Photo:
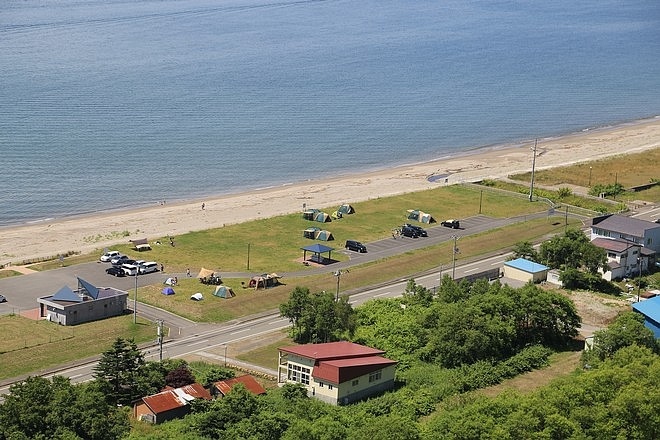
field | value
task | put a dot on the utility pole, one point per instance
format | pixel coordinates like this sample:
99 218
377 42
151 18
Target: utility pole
453 257
159 332
338 274
481 196
135 300
531 186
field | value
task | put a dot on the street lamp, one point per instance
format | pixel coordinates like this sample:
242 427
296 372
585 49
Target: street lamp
590 170
135 300
225 347
338 274
453 257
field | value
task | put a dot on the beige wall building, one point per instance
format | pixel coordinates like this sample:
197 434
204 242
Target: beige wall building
337 372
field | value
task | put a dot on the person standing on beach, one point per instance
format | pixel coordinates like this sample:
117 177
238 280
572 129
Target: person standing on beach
203 206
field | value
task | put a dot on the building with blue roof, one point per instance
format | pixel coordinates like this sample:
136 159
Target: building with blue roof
525 270
650 308
86 303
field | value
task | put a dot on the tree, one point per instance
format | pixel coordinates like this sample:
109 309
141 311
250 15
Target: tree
525 249
119 370
573 250
41 409
417 294
318 317
180 376
627 329
294 309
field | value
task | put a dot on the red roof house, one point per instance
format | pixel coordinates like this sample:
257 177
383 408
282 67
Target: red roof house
169 404
223 387
337 372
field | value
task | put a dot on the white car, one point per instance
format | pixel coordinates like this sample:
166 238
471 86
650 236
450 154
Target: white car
149 267
109 256
130 269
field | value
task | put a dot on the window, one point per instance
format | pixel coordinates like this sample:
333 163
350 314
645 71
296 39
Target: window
320 384
355 382
329 387
297 373
375 376
611 255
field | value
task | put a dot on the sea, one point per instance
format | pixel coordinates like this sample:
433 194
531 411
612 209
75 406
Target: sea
116 104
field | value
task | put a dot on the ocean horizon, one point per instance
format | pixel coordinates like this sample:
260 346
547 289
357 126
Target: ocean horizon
108 105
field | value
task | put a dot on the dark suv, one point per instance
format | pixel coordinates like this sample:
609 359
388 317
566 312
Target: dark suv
455 224
407 231
356 246
421 232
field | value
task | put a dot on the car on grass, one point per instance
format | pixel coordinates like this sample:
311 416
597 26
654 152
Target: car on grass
421 232
451 223
354 245
117 271
109 256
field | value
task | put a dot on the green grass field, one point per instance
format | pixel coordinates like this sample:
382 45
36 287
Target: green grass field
31 346
629 170
274 244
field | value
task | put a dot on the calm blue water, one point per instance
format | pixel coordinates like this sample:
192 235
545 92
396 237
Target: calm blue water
115 103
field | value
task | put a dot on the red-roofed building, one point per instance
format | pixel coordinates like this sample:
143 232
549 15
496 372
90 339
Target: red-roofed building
169 404
223 387
337 372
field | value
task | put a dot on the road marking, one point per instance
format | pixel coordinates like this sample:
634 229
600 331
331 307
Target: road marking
241 331
199 342
470 270
382 294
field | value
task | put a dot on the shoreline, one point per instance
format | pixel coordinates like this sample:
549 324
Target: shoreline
91 231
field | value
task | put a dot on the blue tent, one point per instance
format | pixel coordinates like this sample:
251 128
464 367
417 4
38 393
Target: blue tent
168 291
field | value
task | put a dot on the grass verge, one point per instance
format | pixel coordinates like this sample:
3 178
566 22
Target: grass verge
33 346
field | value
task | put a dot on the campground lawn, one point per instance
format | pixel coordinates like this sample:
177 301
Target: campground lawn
249 301
273 245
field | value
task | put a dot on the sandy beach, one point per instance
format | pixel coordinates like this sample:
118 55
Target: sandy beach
87 233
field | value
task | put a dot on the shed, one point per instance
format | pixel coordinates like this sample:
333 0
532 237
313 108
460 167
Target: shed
525 270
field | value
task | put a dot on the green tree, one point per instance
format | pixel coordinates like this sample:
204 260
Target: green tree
41 409
295 308
573 250
119 370
525 249
627 329
417 294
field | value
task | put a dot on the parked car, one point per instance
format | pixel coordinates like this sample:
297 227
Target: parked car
119 260
420 231
148 267
130 269
3 299
117 271
407 231
451 224
354 245
109 256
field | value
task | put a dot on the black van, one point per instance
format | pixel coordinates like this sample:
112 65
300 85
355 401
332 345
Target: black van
356 246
